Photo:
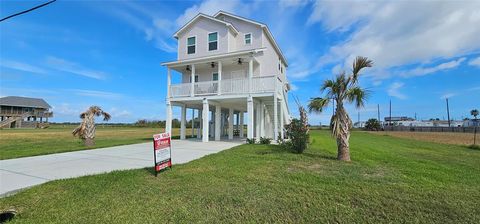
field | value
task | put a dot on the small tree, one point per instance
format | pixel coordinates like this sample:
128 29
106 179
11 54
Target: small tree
86 129
372 125
298 131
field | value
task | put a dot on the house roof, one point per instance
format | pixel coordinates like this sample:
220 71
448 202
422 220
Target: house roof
264 27
19 101
201 15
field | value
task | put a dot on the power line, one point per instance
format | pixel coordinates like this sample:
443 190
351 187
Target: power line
28 10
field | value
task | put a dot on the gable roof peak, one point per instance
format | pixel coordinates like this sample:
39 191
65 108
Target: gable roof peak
201 15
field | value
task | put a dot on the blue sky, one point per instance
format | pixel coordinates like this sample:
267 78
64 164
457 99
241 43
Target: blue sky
108 53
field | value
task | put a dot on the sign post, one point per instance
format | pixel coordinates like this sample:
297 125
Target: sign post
162 152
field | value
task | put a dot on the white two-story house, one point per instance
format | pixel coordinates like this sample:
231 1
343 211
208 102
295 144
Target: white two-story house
232 71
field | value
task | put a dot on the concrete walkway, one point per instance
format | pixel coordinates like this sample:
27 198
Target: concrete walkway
16 174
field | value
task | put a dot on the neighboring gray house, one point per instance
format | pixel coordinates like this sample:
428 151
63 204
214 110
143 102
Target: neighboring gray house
18 112
229 67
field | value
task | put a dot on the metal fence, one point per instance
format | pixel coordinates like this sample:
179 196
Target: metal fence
431 129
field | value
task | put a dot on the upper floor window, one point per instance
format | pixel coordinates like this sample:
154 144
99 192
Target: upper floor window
196 78
248 38
213 41
215 76
191 45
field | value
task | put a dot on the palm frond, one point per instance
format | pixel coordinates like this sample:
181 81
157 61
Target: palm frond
317 104
357 95
106 116
359 64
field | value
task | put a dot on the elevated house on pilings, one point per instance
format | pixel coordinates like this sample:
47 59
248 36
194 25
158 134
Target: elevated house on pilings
23 112
231 71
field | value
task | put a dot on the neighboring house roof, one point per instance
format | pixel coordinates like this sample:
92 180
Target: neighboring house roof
19 101
264 27
201 15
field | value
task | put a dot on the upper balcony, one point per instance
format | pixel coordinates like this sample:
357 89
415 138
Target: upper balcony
261 84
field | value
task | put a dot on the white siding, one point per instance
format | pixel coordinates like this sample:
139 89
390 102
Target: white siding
201 28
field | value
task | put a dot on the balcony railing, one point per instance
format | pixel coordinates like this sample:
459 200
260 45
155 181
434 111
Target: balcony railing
261 84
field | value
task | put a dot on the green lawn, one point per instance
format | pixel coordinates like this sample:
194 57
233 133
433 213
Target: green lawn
15 143
390 180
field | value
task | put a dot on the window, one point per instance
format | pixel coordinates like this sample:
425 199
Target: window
191 45
213 41
196 78
248 38
215 76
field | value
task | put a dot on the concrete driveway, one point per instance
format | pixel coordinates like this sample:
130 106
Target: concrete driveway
16 174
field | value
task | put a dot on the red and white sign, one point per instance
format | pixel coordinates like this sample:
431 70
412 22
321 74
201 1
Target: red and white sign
162 151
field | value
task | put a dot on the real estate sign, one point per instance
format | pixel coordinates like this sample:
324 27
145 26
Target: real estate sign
162 149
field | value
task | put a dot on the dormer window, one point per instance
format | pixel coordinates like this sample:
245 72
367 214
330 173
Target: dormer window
248 39
213 41
191 45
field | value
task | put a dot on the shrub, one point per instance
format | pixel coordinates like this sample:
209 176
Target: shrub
265 141
297 132
250 140
373 125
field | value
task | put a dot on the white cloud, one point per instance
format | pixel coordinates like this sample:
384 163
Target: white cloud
71 67
293 87
22 66
420 71
292 3
448 95
475 62
66 109
400 32
211 7
394 90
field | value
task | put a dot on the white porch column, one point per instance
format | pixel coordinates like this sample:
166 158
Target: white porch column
250 117
219 91
218 120
200 121
192 81
241 124
250 74
168 121
169 82
205 123
257 120
193 119
262 120
183 121
275 117
230 124
281 119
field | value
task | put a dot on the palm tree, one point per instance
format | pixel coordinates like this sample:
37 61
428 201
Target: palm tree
474 113
342 89
86 129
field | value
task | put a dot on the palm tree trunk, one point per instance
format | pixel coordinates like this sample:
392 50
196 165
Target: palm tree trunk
90 131
343 136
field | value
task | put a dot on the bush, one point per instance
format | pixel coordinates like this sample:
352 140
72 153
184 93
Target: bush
297 132
265 141
373 125
250 140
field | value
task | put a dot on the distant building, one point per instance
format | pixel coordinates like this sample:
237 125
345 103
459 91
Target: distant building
23 112
393 119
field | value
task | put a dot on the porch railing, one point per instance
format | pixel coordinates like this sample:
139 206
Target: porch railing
260 84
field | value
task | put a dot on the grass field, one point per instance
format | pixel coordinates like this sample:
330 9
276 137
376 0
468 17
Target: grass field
439 137
391 180
15 143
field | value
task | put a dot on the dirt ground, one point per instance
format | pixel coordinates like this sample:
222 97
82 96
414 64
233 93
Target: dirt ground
440 137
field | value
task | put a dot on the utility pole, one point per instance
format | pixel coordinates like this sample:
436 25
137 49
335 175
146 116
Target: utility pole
358 117
448 113
415 115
